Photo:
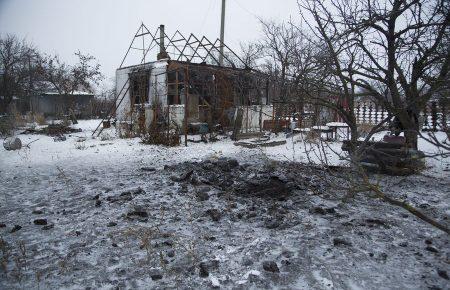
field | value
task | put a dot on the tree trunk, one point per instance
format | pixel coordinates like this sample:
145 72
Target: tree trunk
354 134
411 138
3 106
411 131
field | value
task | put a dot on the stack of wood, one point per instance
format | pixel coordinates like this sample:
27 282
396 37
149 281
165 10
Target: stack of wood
393 158
52 130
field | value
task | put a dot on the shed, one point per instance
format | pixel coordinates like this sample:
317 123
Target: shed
53 104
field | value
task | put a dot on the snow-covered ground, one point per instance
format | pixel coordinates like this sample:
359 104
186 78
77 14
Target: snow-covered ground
119 215
81 149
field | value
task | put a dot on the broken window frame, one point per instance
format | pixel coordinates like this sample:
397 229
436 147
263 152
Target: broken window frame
139 87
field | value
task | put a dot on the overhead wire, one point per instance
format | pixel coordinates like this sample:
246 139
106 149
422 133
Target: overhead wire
206 16
246 10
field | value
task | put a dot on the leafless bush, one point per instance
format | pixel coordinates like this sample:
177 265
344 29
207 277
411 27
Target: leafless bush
19 120
125 129
158 135
312 137
6 126
105 136
80 146
6 255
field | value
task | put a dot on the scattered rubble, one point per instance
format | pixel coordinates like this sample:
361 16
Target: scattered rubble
156 274
222 223
341 242
229 176
111 224
126 195
15 229
138 214
443 274
270 266
59 138
206 267
40 222
258 143
322 211
52 130
48 227
214 214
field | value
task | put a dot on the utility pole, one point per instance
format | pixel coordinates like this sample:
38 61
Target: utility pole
222 33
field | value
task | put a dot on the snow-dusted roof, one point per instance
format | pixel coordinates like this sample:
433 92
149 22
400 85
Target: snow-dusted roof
154 64
77 93
13 97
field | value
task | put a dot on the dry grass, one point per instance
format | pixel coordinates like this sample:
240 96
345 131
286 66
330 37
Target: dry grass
40 119
145 236
105 136
124 130
157 135
6 255
36 117
6 126
80 146
18 256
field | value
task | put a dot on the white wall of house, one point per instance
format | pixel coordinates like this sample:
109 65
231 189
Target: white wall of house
252 116
158 83
122 107
176 114
157 88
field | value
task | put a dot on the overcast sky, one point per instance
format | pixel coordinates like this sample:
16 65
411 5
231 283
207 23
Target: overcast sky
104 28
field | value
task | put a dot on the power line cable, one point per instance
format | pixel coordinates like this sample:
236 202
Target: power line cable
206 16
248 11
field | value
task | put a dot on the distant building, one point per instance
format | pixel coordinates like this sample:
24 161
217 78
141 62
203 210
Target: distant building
54 104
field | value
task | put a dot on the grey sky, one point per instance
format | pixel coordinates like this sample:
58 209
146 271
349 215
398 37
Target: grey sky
104 28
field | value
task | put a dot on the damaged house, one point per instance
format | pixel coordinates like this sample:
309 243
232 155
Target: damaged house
192 86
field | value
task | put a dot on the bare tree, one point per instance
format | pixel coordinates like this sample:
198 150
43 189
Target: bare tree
18 70
393 51
394 44
251 54
279 42
67 79
304 69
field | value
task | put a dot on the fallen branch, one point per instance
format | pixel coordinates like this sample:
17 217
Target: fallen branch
381 195
28 145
